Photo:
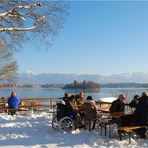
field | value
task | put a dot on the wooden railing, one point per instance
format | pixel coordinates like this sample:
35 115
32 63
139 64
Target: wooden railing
44 104
34 104
39 103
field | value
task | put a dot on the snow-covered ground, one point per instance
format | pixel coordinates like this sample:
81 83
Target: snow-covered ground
34 130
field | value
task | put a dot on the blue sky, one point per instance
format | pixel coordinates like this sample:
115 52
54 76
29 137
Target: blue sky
98 38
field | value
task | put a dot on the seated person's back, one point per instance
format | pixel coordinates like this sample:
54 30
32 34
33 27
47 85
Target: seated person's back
89 107
13 101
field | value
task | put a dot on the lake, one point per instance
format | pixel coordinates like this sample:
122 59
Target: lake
58 92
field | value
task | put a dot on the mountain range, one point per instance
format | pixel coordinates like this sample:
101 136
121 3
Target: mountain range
57 78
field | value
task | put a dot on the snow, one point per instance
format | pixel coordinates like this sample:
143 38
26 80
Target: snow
33 130
107 99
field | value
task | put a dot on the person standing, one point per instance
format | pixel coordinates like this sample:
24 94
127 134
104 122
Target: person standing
13 103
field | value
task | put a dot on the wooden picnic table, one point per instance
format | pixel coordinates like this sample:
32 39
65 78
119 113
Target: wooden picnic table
119 114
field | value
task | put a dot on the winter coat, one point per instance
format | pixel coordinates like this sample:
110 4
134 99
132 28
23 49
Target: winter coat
117 106
13 102
133 103
141 112
89 107
79 102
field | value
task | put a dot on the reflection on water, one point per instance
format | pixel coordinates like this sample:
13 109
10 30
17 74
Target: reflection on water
58 93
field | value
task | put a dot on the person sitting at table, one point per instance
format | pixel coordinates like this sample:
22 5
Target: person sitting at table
134 102
118 105
81 96
79 100
66 97
73 111
140 116
89 108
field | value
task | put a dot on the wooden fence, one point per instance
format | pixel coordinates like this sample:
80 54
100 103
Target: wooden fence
34 104
40 104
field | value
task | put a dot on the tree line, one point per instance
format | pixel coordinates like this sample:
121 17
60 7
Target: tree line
85 85
125 85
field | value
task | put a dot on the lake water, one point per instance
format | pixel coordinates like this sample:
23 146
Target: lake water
58 93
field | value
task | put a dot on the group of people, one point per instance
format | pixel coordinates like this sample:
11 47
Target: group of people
13 103
139 116
75 106
78 108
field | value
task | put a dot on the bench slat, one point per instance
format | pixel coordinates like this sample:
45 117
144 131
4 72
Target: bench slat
129 128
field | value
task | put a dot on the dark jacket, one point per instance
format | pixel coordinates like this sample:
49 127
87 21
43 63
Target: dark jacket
141 112
133 103
117 106
13 102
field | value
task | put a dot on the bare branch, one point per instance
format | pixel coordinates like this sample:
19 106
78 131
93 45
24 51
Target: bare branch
19 7
38 21
27 20
29 6
17 29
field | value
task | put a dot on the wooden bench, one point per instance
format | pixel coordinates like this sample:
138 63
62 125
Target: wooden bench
22 109
128 130
6 109
105 123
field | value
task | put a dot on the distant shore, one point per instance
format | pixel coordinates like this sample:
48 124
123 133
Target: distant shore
105 85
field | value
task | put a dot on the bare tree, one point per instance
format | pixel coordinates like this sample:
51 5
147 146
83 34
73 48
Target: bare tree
29 20
8 66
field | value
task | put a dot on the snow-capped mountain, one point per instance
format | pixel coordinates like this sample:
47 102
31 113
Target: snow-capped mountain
44 78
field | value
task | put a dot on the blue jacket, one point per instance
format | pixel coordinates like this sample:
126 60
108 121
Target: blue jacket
13 102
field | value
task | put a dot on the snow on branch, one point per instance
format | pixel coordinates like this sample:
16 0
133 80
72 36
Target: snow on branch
19 7
38 21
